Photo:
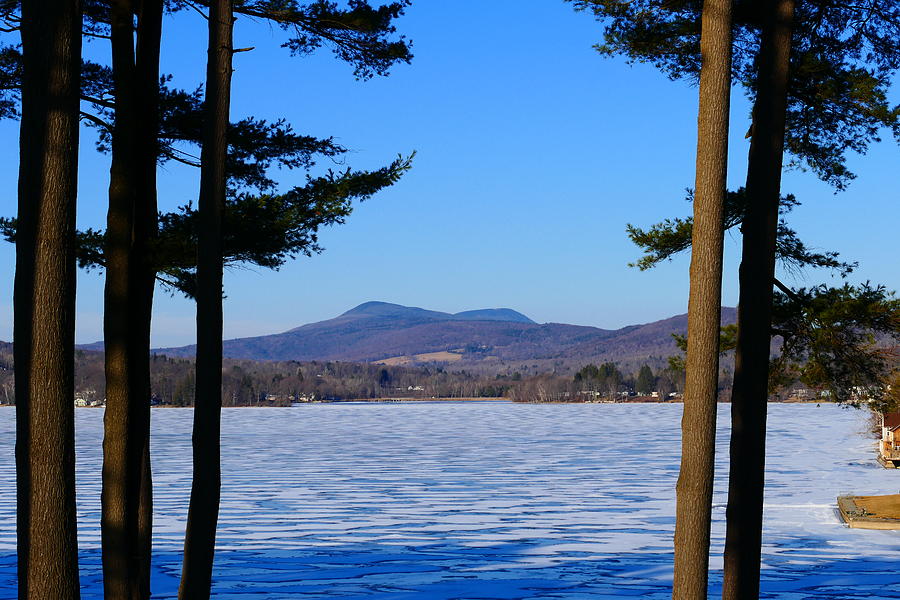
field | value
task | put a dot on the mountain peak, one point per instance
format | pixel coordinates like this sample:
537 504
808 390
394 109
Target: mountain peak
393 311
491 338
372 307
387 310
493 314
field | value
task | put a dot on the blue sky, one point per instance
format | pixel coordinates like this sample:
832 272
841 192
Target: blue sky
533 152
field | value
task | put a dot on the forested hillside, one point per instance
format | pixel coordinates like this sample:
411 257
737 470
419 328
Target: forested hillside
490 341
279 383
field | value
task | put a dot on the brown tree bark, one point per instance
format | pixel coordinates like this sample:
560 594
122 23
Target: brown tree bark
203 514
751 370
126 521
143 280
698 425
120 492
44 301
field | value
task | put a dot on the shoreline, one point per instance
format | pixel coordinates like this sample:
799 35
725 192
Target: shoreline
499 400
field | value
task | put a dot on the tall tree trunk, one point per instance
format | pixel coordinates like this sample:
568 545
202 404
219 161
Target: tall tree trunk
698 425
751 370
44 300
131 225
121 483
143 276
200 537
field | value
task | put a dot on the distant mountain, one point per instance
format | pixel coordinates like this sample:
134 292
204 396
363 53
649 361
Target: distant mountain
487 338
493 314
386 310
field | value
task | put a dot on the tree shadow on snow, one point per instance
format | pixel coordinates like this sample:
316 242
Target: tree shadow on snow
490 571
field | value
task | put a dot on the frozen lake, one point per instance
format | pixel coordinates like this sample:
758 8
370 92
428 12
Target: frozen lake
486 501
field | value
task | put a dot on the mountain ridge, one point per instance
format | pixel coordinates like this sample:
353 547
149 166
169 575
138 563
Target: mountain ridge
491 339
387 309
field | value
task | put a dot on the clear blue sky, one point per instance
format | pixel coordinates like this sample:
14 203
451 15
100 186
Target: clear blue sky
533 154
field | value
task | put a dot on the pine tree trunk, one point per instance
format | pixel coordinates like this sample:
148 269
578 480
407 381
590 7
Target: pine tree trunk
751 370
143 278
44 301
698 424
203 514
126 520
121 483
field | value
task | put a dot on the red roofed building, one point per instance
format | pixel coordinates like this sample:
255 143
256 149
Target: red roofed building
889 447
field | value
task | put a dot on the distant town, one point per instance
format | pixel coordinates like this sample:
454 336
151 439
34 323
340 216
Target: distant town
287 383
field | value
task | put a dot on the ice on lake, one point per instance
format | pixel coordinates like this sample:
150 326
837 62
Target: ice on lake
486 501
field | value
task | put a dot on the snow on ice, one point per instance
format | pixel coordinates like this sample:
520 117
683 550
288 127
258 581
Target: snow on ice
489 501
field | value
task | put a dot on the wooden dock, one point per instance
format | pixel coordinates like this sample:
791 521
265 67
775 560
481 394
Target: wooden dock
870 512
887 464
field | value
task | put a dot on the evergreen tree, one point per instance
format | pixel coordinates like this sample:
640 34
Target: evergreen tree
131 250
645 381
746 475
44 300
837 341
698 424
817 73
203 513
135 30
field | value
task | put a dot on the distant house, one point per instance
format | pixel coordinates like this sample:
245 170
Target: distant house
301 399
801 393
85 398
889 446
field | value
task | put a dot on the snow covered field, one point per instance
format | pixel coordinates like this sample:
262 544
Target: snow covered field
487 501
